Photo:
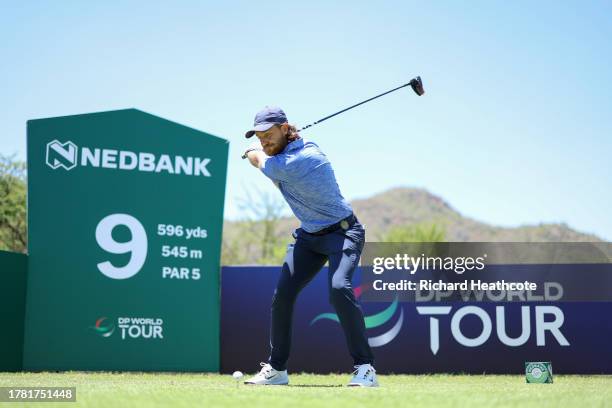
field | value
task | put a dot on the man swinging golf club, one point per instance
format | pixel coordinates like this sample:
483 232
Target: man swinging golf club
329 231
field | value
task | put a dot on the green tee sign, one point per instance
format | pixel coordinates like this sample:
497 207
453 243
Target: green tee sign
125 214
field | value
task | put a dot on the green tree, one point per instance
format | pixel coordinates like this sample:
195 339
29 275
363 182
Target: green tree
13 188
422 232
255 239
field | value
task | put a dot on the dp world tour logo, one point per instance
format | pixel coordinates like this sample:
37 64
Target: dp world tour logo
130 327
373 321
104 327
61 155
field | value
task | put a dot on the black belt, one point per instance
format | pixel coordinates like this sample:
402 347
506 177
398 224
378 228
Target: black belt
345 224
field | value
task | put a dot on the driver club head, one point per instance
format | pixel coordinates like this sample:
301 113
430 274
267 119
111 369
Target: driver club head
417 86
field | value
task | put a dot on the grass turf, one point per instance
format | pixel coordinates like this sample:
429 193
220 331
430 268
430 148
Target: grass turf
307 390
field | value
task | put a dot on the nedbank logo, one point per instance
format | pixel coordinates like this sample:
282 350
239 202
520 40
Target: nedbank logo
61 155
66 155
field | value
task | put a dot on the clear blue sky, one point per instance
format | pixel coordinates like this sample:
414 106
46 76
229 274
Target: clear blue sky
515 128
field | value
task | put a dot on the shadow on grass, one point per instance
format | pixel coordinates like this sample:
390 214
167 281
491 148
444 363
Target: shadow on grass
315 385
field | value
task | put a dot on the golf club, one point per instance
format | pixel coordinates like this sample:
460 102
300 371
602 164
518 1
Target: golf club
416 84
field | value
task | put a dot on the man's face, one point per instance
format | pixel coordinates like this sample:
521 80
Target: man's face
273 140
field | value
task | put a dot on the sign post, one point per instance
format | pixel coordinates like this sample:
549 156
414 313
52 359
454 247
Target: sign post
125 214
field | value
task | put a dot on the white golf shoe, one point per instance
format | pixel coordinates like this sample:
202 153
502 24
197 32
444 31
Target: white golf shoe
269 376
364 376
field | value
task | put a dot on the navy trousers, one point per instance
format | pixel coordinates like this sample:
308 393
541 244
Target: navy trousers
305 258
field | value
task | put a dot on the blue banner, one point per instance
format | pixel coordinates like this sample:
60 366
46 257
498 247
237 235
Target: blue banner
428 337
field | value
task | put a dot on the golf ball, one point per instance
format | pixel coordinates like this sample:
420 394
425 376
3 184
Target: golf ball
237 375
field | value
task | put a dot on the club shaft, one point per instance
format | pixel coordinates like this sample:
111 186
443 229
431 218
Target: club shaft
354 106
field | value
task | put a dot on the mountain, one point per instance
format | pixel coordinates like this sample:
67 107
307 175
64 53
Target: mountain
401 206
405 206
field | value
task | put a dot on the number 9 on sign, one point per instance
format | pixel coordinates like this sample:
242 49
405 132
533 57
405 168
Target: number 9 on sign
136 246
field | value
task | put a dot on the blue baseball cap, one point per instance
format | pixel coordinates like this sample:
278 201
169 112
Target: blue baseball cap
266 118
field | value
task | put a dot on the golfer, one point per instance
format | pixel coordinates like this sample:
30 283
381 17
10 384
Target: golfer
329 232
